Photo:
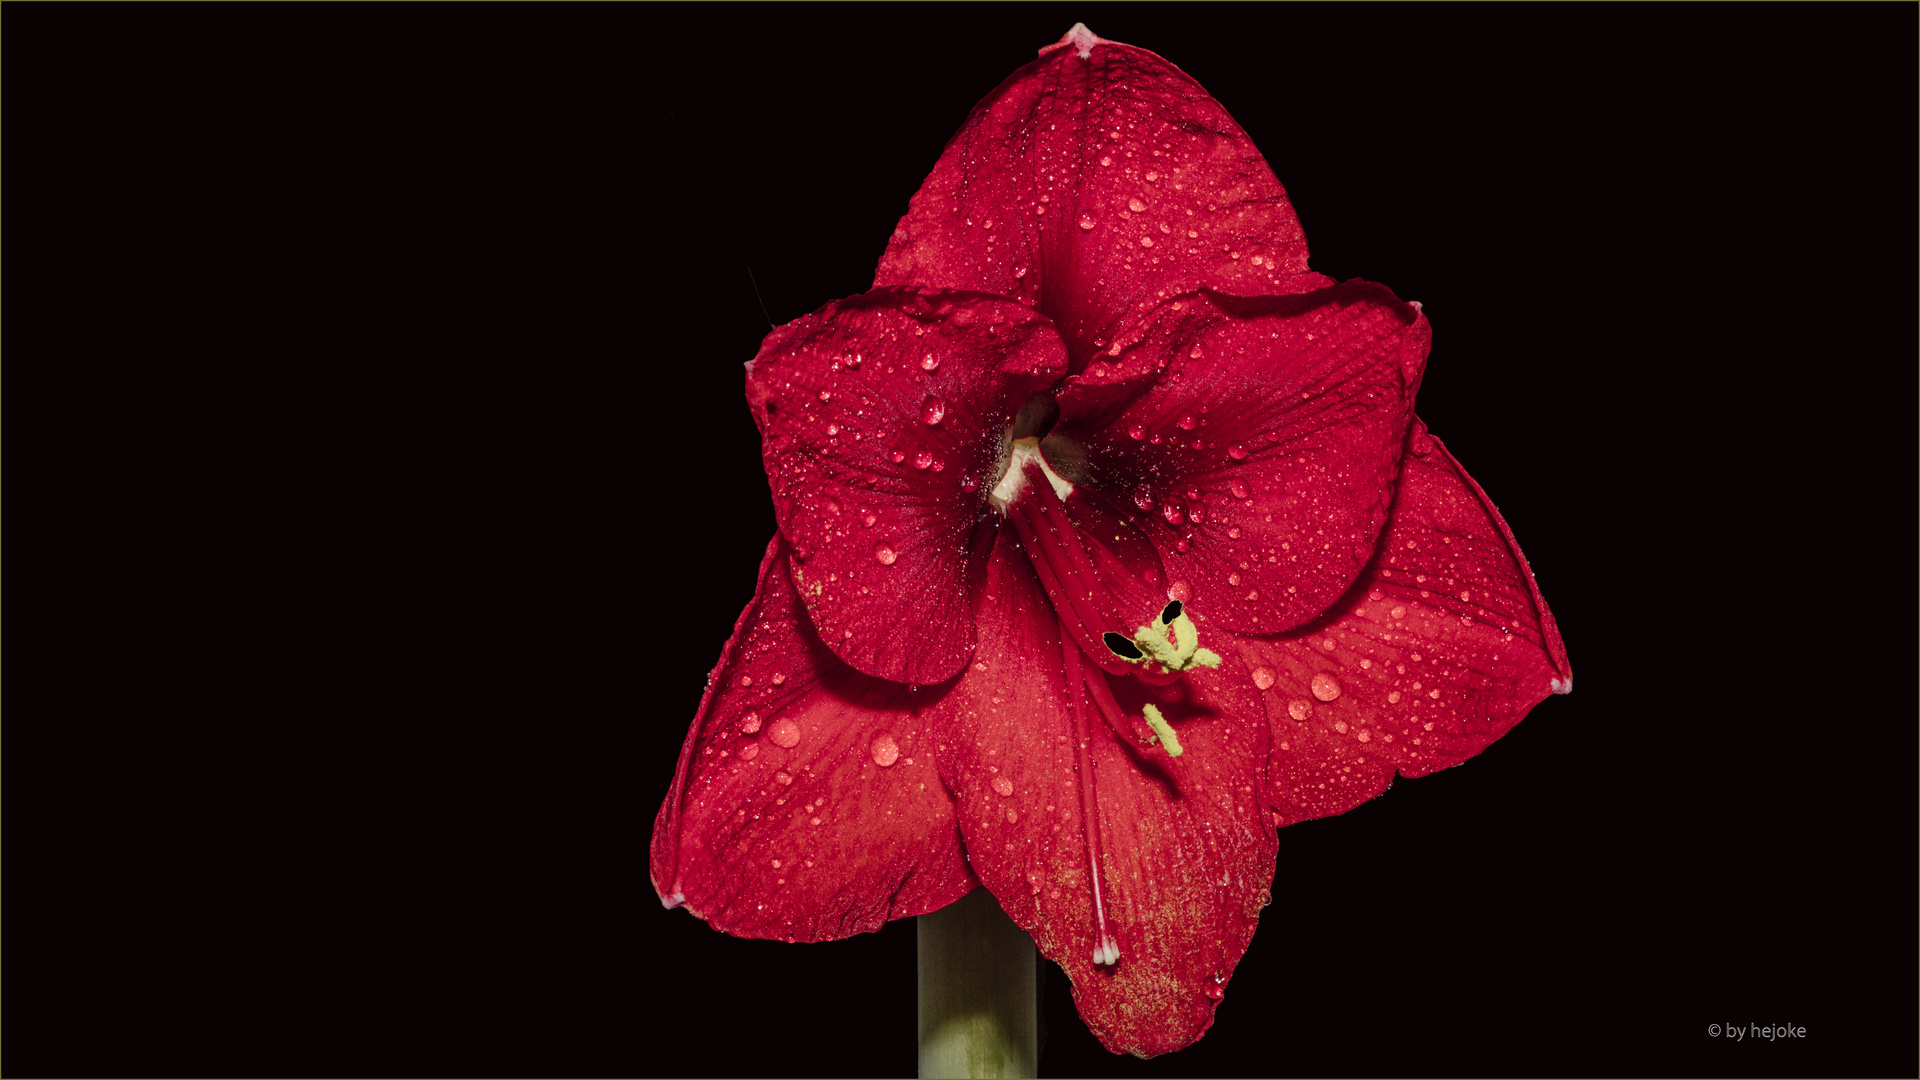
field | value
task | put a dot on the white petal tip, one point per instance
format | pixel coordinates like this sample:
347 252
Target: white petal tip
1080 39
671 902
1562 686
1107 952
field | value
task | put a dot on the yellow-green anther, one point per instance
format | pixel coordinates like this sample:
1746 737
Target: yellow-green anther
1175 645
1163 729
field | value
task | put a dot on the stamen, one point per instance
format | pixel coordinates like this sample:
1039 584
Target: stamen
1105 949
1161 728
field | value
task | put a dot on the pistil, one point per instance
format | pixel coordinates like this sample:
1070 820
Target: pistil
1105 949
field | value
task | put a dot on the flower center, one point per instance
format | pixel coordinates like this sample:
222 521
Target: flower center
1032 497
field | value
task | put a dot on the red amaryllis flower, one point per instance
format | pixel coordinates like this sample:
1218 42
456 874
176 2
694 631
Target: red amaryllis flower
1109 542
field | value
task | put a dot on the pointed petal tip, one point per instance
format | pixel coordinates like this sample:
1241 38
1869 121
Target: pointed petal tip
672 901
1563 686
1080 38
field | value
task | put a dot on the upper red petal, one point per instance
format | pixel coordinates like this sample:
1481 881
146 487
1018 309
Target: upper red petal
1189 854
881 416
1261 435
1094 187
1440 648
805 806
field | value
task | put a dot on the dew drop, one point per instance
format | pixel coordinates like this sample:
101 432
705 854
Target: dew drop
1180 591
832 430
1263 677
868 520
1136 206
968 483
1240 489
929 362
1143 497
1187 422
1086 221
1012 816
1325 687
1393 697
1340 726
896 456
933 410
922 459
751 724
1003 785
884 750
1234 533
1237 452
1171 513
1106 159
1299 708
885 554
1138 431
1198 512
1398 612
784 733
783 778
1152 176
748 751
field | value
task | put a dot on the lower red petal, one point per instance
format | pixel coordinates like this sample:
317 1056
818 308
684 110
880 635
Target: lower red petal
806 806
1441 647
1188 852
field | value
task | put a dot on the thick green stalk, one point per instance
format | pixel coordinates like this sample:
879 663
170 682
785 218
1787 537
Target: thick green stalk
978 1006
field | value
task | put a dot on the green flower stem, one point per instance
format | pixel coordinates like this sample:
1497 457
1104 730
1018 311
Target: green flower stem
978 1006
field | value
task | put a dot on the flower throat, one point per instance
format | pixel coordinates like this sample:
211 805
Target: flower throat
1032 496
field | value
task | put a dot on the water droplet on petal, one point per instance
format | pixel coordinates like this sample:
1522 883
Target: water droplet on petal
1180 591
933 410
968 483
1086 221
1398 612
1393 697
922 459
885 751
784 733
1325 687
1172 513
868 520
1263 677
1003 785
1012 817
896 456
751 724
1187 422
1237 452
885 554
1340 726
929 362
1106 159
1240 489
1136 206
1138 431
748 751
1143 497
1299 708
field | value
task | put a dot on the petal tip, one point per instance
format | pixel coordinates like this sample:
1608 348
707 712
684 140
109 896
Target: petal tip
1080 38
1562 686
672 901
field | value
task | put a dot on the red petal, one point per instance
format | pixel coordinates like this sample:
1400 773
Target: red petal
1442 646
806 805
1186 869
879 544
1094 188
1266 433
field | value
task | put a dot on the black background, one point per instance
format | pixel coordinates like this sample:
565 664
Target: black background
454 498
